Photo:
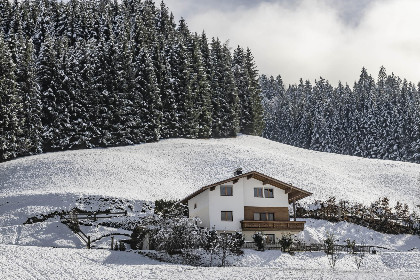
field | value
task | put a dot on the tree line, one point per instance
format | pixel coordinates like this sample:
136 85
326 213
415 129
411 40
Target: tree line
373 119
84 74
379 215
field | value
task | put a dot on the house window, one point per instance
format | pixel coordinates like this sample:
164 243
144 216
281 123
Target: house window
195 205
226 190
258 192
270 238
227 216
263 216
257 217
268 193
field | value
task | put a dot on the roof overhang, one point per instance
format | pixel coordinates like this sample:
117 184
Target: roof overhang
294 193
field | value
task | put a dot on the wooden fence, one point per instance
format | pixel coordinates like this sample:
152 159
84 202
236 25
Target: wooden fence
72 219
317 247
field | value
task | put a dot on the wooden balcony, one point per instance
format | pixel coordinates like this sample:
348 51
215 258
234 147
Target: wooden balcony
273 225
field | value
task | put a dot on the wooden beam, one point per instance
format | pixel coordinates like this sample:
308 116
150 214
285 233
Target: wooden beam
294 210
265 182
288 190
235 181
249 176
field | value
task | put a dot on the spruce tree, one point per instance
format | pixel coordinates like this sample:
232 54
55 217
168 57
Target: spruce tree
28 91
10 105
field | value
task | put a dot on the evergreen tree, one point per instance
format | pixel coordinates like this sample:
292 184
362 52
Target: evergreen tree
146 86
10 105
201 90
28 91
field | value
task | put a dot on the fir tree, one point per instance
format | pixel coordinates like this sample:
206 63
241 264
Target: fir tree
10 105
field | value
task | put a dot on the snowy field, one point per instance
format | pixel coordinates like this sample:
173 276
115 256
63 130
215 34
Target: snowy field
176 167
18 262
126 177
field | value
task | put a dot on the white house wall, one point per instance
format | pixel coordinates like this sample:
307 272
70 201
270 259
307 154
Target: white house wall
280 198
202 210
234 203
210 204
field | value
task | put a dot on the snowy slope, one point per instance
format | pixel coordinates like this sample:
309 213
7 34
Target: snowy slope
174 168
94 179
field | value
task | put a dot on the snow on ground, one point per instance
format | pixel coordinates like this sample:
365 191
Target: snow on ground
317 230
125 177
17 262
174 168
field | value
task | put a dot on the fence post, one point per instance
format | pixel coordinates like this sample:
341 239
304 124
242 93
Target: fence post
88 243
112 242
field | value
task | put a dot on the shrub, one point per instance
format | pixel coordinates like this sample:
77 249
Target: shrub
329 243
285 242
351 245
238 241
122 246
170 208
138 236
259 241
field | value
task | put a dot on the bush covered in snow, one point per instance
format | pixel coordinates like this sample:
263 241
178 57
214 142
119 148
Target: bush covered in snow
170 232
379 216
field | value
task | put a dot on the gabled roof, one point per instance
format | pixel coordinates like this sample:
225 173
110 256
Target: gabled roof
293 192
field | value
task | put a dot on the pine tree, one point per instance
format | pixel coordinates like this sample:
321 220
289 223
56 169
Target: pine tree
47 76
10 105
28 91
256 124
147 88
201 88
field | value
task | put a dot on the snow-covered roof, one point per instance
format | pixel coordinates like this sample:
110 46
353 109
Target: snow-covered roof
294 193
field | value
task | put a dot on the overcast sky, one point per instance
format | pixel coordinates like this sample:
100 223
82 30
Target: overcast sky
312 38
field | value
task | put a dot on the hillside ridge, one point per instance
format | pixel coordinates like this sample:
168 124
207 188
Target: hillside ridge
173 168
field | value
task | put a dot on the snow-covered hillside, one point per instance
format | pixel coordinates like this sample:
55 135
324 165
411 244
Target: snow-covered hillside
126 177
174 168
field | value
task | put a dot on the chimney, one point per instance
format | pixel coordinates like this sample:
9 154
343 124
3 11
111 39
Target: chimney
238 171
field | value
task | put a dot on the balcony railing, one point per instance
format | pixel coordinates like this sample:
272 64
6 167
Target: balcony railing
273 225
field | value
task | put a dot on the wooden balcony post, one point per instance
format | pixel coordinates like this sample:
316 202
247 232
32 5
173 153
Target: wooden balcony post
294 210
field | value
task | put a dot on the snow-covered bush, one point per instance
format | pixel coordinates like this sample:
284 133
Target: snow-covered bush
286 241
329 243
259 241
170 208
175 234
138 236
238 241
379 216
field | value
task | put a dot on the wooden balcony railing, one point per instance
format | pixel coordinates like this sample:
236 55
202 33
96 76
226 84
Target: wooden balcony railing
273 225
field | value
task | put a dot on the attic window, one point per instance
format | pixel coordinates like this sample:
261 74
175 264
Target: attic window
258 192
268 193
226 190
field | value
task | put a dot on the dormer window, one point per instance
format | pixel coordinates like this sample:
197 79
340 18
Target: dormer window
226 190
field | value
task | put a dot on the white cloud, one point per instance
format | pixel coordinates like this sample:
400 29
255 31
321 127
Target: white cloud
310 39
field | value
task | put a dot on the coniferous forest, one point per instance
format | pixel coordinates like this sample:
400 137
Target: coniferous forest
373 119
83 74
